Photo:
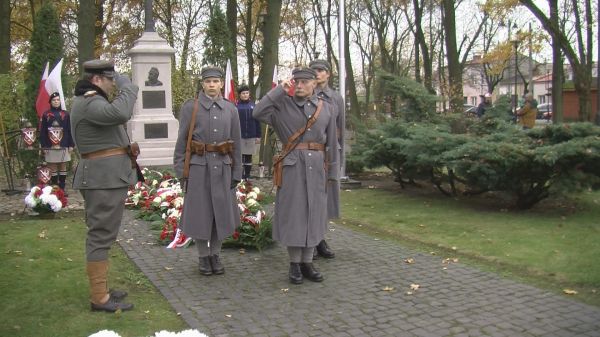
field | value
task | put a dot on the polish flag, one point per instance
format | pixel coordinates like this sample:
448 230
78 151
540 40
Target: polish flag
41 103
229 84
49 84
54 83
275 80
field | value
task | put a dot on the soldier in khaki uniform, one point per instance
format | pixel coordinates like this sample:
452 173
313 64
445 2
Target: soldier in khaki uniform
105 171
210 213
323 70
300 219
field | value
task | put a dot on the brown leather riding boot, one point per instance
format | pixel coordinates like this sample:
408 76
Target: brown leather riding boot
100 297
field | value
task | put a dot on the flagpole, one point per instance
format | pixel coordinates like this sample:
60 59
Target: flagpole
342 66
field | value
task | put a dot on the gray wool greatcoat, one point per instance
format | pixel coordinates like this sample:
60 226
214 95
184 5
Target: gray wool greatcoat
335 99
300 218
209 195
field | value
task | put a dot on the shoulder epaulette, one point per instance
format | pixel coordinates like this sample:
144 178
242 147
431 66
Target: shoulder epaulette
90 93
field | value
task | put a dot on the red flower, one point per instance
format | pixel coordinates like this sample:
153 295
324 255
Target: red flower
236 235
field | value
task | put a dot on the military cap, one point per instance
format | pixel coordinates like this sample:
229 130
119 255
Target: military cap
243 88
54 94
208 72
320 64
304 73
100 67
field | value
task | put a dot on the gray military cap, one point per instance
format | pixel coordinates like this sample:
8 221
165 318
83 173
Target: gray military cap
208 72
100 67
320 64
304 73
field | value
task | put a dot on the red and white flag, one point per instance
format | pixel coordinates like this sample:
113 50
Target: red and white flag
275 80
229 84
49 84
41 103
54 83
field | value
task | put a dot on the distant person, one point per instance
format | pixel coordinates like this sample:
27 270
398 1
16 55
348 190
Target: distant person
528 112
250 129
56 155
485 104
153 78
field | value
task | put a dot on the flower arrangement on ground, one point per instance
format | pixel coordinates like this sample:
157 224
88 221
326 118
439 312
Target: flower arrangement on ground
46 199
160 201
163 333
255 227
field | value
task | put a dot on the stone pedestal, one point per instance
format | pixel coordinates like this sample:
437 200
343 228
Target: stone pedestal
153 124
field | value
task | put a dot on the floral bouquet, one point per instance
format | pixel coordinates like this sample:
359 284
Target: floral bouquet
46 199
255 226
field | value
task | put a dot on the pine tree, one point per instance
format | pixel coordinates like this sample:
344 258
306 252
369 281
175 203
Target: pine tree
217 44
46 46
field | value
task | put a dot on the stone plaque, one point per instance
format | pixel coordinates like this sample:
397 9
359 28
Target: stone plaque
153 99
156 130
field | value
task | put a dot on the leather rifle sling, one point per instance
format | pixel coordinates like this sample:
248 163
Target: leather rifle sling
277 164
188 145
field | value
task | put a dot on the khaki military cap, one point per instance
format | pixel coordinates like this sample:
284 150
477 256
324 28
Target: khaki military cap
100 67
304 73
320 64
208 72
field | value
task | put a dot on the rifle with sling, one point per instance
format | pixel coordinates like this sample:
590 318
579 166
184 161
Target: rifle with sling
188 147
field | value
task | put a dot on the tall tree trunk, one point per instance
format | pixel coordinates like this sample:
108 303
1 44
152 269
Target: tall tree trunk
86 30
231 14
557 69
249 34
350 83
454 68
425 53
5 12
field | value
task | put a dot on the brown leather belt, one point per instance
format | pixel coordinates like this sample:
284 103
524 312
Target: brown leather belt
306 146
105 153
200 148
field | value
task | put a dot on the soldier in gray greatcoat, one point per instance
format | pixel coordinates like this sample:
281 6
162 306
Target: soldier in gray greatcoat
105 171
210 213
300 219
323 70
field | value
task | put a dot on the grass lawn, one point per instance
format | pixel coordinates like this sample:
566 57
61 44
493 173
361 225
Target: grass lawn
45 287
556 245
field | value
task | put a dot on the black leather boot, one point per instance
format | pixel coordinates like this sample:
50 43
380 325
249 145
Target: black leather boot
54 180
118 295
112 305
324 251
204 266
295 273
308 270
217 267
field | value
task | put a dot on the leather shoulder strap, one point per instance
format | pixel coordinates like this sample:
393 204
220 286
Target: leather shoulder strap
188 144
292 139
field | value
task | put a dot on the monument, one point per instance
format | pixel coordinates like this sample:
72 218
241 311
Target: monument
153 125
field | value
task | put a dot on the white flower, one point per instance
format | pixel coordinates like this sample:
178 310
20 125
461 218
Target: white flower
156 201
252 195
154 182
105 333
178 202
30 201
256 190
47 190
251 202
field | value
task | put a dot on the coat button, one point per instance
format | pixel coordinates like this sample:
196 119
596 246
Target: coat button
309 154
215 167
215 130
308 129
309 116
215 117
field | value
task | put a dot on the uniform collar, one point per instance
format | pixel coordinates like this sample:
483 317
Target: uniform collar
327 91
207 102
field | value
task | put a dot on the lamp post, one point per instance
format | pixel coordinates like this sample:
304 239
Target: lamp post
515 43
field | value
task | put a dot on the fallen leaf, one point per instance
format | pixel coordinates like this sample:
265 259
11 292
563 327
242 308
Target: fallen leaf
242 251
371 186
285 290
454 248
168 268
228 316
409 260
409 293
69 259
421 225
387 288
570 291
42 234
146 311
414 286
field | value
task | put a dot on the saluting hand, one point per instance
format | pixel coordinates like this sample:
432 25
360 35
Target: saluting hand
287 84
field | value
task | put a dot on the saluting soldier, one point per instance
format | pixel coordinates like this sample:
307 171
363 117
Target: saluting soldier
323 70
210 213
105 171
306 127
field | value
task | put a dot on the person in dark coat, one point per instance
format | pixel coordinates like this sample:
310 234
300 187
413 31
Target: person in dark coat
323 70
57 151
485 104
300 219
105 170
250 129
210 212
